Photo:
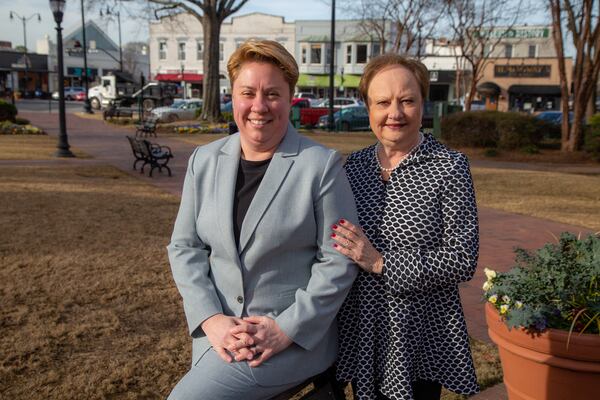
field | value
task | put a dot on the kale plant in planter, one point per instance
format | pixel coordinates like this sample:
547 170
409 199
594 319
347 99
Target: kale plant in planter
555 287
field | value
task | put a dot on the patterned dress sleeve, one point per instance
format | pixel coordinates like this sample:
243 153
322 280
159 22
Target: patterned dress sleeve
454 261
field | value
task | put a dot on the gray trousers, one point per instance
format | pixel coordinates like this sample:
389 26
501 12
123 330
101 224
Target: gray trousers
214 379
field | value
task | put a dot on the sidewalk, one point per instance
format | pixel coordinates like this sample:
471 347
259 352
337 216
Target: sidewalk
500 232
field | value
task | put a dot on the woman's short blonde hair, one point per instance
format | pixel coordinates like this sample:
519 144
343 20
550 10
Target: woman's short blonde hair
387 60
267 51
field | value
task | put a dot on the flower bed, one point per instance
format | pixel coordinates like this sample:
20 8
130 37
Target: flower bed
198 128
11 128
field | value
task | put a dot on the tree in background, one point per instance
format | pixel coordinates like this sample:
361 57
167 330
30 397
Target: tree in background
582 26
475 25
210 14
405 23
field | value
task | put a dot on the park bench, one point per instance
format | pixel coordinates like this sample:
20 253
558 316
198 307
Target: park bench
150 153
324 387
146 127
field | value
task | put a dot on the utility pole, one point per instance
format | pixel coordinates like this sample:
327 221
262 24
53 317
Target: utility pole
87 107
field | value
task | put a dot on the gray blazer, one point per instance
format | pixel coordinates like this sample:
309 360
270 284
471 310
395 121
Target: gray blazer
285 266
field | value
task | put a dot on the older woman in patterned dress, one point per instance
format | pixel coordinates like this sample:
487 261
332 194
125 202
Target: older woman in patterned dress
402 330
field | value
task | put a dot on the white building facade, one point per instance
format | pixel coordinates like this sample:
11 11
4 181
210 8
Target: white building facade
177 45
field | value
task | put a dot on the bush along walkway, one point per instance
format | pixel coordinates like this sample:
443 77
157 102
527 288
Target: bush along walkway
500 232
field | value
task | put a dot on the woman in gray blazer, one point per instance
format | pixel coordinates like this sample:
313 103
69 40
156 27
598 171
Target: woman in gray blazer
250 253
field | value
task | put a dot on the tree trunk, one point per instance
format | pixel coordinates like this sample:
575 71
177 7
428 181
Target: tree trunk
211 106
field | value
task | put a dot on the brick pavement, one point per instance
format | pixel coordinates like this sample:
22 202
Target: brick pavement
500 232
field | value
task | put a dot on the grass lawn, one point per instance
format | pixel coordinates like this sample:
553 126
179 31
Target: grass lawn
89 308
31 147
569 198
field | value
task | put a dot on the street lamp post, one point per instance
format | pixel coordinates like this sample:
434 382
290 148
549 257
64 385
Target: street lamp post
24 21
86 106
58 7
118 14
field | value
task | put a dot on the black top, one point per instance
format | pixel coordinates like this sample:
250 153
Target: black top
250 174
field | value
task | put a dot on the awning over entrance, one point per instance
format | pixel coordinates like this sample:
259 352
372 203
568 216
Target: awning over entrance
322 81
188 77
538 90
488 89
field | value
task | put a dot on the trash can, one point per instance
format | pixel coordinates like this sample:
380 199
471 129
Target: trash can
295 117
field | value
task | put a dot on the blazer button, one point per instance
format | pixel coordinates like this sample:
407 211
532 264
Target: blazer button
240 299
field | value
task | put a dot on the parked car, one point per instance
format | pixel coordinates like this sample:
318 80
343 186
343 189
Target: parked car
300 102
342 102
553 117
227 107
80 96
70 92
179 110
304 95
351 118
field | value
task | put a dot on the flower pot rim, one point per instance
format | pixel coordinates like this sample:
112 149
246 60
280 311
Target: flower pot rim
584 347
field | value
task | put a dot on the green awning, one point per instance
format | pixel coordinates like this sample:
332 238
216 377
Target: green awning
322 81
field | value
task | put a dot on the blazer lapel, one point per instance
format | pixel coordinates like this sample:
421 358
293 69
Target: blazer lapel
280 164
225 178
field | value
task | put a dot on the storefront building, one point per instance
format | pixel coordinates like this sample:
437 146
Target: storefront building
521 73
23 73
177 46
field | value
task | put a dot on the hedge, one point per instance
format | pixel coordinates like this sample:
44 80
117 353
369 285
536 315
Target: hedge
591 140
493 129
8 111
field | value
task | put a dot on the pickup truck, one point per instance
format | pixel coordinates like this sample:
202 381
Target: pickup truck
309 116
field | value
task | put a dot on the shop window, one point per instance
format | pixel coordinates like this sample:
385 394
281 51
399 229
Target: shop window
375 49
221 48
327 54
508 50
199 50
361 53
181 51
315 54
304 55
532 51
349 54
487 49
162 50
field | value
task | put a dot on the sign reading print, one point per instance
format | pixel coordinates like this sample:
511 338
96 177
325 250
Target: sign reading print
522 71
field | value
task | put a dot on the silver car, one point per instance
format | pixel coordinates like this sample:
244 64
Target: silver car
71 92
178 111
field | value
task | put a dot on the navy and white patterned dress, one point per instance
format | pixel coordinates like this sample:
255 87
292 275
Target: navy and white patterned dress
407 323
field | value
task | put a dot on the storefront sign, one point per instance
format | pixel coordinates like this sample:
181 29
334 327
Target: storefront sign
522 71
514 33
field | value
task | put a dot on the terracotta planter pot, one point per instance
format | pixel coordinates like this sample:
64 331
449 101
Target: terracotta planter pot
539 367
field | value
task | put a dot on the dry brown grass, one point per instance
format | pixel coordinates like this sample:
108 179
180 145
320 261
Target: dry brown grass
89 309
345 143
569 198
31 147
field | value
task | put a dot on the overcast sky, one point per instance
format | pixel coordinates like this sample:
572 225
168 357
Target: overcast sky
132 30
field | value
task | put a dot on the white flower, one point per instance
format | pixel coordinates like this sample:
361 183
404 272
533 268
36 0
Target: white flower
487 285
493 299
489 273
506 299
518 304
503 308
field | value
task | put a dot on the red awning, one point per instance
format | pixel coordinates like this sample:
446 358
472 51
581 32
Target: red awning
188 77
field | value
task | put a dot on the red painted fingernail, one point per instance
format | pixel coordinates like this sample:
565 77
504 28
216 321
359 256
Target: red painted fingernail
335 245
342 221
333 235
334 227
